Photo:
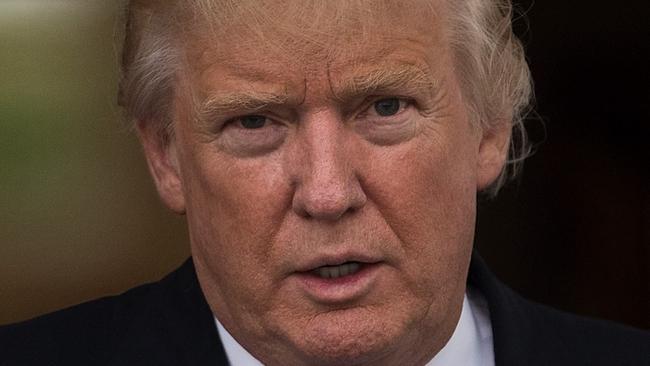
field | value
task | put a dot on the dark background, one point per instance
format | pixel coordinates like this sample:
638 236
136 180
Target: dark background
79 217
574 232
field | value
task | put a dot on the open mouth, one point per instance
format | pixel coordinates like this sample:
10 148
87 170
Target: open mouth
342 270
333 281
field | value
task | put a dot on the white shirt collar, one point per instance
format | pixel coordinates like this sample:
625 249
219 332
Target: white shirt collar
237 355
470 344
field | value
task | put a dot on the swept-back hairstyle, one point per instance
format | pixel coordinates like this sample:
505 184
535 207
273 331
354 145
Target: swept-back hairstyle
489 61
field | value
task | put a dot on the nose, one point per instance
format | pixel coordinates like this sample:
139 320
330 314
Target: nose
327 185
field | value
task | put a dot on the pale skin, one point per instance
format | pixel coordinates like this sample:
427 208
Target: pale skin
367 154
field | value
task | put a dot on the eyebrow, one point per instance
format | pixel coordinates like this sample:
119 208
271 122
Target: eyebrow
396 79
249 101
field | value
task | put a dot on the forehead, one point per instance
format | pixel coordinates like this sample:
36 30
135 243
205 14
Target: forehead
260 40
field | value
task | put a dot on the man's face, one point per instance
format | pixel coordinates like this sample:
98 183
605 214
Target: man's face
329 178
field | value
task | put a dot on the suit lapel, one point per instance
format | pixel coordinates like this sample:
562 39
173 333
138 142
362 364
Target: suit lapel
511 328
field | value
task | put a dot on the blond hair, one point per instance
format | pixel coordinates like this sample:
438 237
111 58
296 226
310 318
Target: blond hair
489 60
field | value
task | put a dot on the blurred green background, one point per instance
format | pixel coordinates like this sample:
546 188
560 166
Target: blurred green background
79 217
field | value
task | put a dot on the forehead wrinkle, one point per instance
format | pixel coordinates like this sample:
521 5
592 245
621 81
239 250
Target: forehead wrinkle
317 26
244 85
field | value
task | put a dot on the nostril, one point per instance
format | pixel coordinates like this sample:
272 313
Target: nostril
324 207
327 205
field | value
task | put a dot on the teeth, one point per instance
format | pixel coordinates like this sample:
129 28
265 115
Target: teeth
338 271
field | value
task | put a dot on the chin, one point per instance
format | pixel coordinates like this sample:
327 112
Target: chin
349 337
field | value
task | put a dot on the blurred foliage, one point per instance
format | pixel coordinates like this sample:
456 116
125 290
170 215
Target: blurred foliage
79 217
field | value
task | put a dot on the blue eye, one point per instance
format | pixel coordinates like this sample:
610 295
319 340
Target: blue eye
387 107
252 122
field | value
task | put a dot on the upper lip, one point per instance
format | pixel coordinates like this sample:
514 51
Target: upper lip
335 259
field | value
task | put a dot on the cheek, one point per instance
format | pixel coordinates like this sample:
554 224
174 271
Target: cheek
432 183
235 208
426 192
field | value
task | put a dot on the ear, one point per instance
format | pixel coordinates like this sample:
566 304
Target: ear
492 155
162 159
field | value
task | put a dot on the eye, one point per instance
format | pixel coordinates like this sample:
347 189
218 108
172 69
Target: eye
387 120
389 106
252 122
387 109
252 135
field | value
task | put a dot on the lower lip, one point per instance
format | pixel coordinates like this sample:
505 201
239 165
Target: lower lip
342 289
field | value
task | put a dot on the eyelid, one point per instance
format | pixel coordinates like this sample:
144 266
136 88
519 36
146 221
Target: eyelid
270 119
369 102
242 116
216 122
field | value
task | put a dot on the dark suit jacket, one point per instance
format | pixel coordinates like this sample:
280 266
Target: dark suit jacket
170 323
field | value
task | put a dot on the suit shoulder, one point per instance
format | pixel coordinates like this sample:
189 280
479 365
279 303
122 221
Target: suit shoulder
528 333
88 333
555 337
589 335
